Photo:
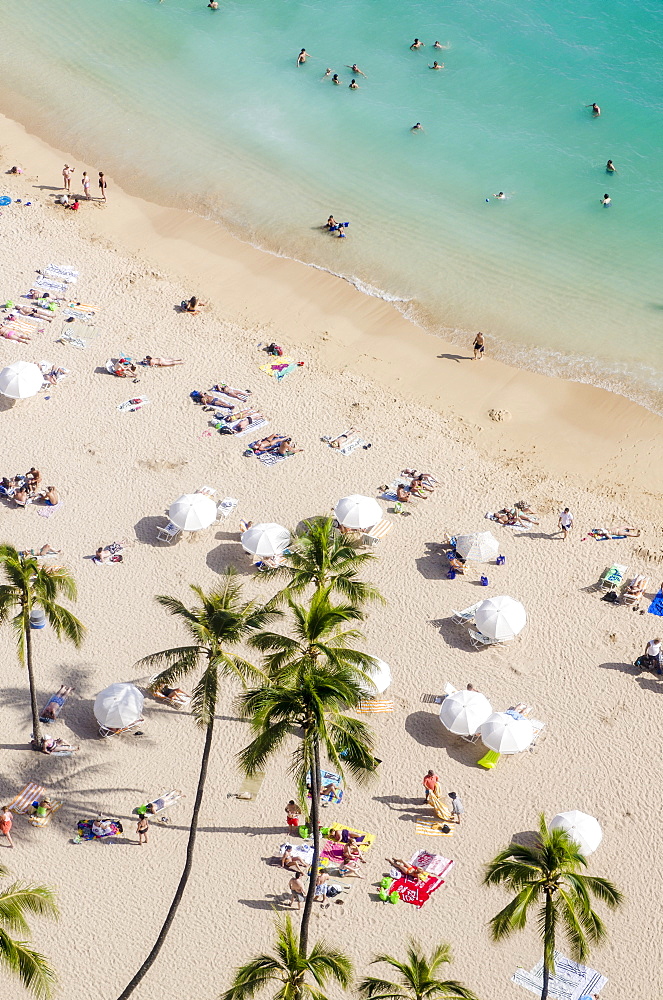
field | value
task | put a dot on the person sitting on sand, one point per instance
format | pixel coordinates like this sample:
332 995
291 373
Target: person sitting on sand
33 477
21 496
193 305
50 496
351 851
417 490
291 863
161 362
350 868
75 205
102 555
402 494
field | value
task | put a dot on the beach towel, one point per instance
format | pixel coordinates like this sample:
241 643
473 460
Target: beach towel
67 272
133 404
79 314
47 510
439 805
414 890
69 337
159 804
84 830
389 492
351 446
374 707
247 430
269 459
299 850
432 829
22 802
56 275
570 982
656 606
279 367
227 506
328 778
52 286
434 864
251 786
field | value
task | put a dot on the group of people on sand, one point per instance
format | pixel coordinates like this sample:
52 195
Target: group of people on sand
421 485
26 488
67 176
275 444
125 367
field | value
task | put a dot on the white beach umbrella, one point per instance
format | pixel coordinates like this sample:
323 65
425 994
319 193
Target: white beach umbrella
464 711
503 733
481 546
118 706
583 829
265 540
357 512
380 674
193 511
500 618
20 380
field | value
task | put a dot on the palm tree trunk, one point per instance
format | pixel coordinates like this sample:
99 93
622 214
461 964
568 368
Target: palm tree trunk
548 946
179 892
315 823
27 635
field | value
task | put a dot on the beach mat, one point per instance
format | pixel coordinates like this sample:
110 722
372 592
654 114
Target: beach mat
656 606
133 404
279 367
250 787
570 982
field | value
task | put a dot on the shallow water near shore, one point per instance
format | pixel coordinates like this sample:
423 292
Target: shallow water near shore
207 110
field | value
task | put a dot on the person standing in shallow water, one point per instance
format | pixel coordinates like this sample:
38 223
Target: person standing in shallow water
302 57
478 347
610 168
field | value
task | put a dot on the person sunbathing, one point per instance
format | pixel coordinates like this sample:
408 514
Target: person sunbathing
54 376
56 746
161 362
404 867
423 477
21 338
341 440
244 419
211 401
287 448
350 868
402 494
417 490
351 851
227 390
176 696
268 444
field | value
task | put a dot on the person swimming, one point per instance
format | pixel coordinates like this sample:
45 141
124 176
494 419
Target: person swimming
353 85
416 44
355 69
610 168
417 128
326 74
500 196
606 201
439 45
596 111
436 65
336 80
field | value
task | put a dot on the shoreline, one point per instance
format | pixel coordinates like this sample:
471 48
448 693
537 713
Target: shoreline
580 433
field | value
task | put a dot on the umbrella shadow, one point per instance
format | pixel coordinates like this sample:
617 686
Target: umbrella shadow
454 635
229 554
526 838
428 731
433 565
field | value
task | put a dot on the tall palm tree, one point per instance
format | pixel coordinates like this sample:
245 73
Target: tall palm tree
417 977
17 902
28 586
548 881
322 556
216 623
316 675
288 968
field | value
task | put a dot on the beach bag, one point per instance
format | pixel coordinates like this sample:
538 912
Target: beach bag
484 581
451 575
332 891
500 560
275 350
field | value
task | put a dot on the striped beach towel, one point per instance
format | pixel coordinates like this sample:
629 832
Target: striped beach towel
431 829
64 271
379 531
373 707
22 802
570 982
252 427
269 459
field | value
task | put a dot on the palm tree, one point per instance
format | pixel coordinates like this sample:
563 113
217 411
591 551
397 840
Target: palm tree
417 977
217 622
30 966
322 556
288 968
315 676
547 878
29 586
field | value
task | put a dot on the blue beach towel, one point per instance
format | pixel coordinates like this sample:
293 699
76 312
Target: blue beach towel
656 606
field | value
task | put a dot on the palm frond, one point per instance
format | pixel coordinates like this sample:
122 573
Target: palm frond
30 966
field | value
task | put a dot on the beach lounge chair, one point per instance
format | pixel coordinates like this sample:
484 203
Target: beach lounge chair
54 705
466 616
479 640
167 532
23 801
613 577
104 732
42 814
489 760
378 532
178 699
159 804
635 590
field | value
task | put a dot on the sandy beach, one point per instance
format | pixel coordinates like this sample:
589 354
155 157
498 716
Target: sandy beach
421 405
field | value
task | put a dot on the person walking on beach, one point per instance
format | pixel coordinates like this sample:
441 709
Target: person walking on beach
142 827
292 814
6 824
302 57
653 654
296 890
86 185
456 807
67 174
565 523
430 783
596 111
102 185
479 347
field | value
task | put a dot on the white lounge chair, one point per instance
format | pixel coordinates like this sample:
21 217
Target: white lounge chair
167 532
466 616
479 640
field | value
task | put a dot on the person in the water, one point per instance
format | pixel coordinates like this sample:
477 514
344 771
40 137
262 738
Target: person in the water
353 85
610 168
302 57
500 196
436 65
596 111
336 80
355 69
606 201
416 44
417 128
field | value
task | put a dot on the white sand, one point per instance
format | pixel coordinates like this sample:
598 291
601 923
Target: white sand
117 474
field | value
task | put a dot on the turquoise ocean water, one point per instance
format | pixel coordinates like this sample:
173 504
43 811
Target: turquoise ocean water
207 110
